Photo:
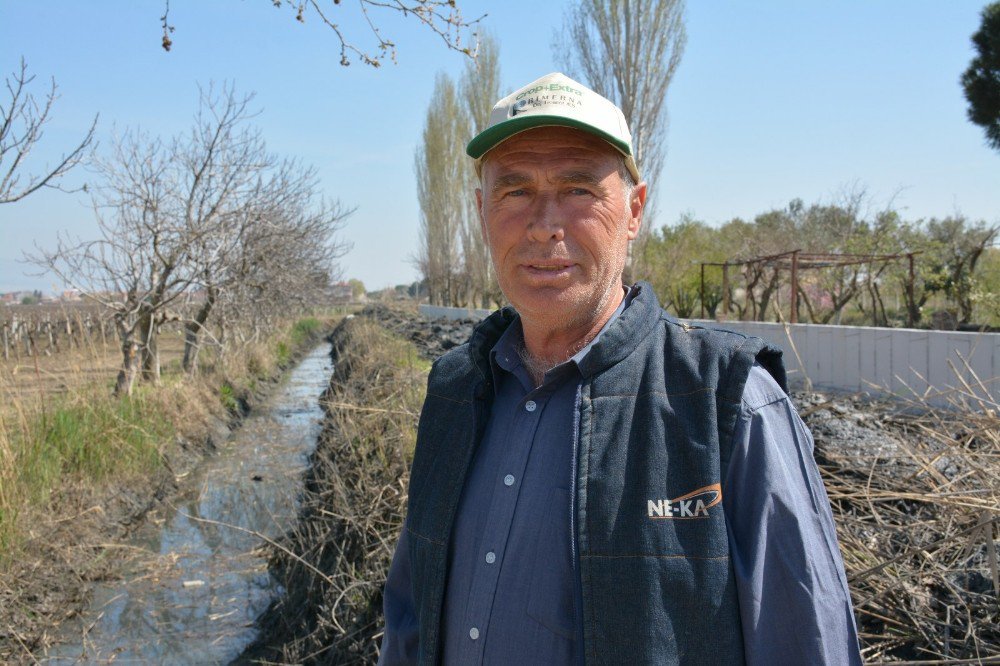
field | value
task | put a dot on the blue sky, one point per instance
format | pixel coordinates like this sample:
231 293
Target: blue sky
773 100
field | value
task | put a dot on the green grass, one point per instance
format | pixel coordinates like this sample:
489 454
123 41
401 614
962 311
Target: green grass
93 439
89 437
227 396
305 329
302 331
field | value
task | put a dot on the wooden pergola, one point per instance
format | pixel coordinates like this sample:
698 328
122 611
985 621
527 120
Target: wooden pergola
797 260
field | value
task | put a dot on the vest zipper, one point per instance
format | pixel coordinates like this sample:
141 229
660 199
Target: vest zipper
574 546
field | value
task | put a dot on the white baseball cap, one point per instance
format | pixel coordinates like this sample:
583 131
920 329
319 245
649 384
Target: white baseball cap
555 100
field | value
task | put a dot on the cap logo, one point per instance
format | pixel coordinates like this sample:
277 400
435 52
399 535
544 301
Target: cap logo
544 97
551 87
551 101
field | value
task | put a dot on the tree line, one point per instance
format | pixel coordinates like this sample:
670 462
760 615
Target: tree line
954 260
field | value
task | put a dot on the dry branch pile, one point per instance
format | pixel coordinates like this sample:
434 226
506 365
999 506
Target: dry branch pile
916 499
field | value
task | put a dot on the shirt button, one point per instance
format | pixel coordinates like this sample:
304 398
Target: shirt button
508 480
530 405
491 557
473 633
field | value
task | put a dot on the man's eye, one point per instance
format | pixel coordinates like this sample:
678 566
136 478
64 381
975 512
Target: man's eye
516 193
579 191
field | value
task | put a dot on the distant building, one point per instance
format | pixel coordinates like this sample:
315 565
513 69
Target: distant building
340 293
17 297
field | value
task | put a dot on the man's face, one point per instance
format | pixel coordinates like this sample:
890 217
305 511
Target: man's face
554 214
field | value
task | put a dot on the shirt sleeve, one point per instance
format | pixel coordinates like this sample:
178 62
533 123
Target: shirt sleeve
795 606
401 638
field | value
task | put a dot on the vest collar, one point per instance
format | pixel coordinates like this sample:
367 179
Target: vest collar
625 333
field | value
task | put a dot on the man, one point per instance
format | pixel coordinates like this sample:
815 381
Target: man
595 482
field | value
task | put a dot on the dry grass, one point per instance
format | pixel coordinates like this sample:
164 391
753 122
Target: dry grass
917 513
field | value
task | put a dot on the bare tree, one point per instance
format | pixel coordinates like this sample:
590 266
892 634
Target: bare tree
479 88
440 167
441 17
280 254
22 123
628 51
139 265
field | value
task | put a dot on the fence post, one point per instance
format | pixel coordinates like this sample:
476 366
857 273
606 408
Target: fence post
795 287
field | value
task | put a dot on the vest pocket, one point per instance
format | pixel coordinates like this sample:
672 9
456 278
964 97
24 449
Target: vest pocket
550 599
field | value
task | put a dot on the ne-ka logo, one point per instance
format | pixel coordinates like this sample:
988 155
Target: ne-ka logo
695 504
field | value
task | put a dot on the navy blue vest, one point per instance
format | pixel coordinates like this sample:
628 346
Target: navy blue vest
659 402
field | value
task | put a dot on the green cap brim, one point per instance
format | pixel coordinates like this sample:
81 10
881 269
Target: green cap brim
492 136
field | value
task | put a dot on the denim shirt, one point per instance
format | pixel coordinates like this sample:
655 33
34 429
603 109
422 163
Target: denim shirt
510 595
807 619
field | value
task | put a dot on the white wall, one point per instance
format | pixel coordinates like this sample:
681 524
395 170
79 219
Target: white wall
936 365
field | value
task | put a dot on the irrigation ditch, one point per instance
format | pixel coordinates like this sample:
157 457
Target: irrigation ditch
915 492
91 535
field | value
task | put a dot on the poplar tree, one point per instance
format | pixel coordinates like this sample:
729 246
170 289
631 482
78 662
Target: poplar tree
453 257
480 88
441 182
629 51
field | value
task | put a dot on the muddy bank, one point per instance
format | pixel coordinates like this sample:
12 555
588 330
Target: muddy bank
915 493
82 538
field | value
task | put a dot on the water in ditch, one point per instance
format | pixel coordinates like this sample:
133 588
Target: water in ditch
200 579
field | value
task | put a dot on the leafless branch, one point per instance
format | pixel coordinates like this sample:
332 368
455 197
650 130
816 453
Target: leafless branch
442 17
22 121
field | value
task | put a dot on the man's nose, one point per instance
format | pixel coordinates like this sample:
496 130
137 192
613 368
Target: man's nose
546 223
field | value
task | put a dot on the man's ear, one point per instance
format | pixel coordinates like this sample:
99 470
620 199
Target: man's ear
636 204
479 209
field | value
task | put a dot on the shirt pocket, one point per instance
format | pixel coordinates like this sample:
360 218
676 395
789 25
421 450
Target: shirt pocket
550 598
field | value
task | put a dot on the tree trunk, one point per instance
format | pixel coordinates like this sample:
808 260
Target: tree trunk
913 304
149 350
765 297
192 330
129 369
